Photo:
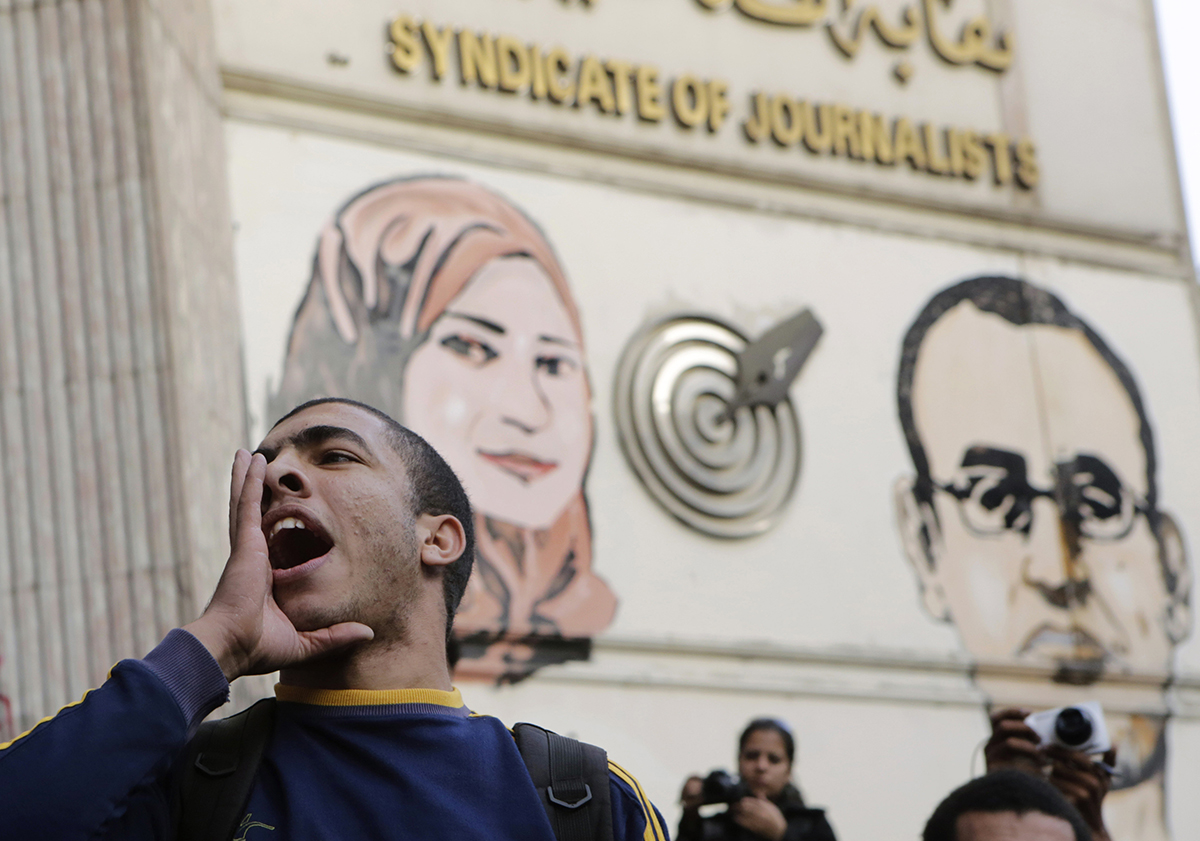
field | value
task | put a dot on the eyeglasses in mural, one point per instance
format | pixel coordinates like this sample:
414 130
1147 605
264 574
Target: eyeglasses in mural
1031 519
440 302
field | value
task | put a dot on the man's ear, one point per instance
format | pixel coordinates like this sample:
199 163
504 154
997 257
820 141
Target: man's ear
921 537
1178 579
441 538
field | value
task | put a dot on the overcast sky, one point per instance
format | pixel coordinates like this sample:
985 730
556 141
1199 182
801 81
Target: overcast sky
1179 25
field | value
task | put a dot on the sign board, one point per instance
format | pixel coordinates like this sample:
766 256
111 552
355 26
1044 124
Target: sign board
1025 110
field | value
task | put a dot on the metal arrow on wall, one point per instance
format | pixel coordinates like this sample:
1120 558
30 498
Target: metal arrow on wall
706 422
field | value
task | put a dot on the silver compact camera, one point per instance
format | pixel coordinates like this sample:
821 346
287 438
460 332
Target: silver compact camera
1079 727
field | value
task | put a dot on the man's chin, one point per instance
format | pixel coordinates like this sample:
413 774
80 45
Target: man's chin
307 615
1071 655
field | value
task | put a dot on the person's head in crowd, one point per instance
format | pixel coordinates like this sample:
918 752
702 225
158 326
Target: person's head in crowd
766 751
331 462
1006 806
1032 518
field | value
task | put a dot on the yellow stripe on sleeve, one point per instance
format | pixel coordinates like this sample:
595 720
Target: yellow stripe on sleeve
12 742
654 831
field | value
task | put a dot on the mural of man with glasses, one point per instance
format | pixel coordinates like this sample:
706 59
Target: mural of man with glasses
1032 519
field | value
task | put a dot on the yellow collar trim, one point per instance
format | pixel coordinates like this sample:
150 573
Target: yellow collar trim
367 697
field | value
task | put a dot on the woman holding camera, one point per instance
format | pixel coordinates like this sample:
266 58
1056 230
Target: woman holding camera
764 804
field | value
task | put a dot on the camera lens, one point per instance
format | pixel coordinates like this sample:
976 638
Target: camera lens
1073 728
720 787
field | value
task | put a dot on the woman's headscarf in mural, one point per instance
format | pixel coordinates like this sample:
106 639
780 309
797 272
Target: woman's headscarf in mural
387 266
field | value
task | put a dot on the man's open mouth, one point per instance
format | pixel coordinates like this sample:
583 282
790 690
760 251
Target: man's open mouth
291 543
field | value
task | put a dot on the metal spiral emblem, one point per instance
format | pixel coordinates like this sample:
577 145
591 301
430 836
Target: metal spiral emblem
706 423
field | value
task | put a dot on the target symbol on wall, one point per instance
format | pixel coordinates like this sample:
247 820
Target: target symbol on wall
706 422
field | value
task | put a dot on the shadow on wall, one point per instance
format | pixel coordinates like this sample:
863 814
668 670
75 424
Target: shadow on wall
441 303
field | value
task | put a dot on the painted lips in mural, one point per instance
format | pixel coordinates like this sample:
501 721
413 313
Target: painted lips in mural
1032 519
438 301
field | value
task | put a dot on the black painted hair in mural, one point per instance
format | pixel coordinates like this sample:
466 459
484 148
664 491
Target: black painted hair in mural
435 490
1022 304
1007 790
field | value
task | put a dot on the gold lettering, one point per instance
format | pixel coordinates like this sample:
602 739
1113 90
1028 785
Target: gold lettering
758 124
1001 158
972 47
797 13
963 53
908 144
621 87
876 139
846 141
437 41
405 50
896 37
537 63
718 104
787 122
558 65
818 133
621 71
649 95
477 59
998 58
516 71
954 146
938 164
1028 173
974 155
594 85
689 101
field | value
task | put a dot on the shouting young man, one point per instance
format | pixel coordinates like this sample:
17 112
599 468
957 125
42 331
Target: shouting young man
351 546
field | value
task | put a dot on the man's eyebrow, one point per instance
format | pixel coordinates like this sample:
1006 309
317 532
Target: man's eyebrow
482 322
980 454
313 436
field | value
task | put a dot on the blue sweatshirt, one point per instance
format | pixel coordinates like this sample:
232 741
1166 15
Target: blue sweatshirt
345 764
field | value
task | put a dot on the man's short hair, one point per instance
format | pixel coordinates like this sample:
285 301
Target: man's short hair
1006 790
1022 304
435 490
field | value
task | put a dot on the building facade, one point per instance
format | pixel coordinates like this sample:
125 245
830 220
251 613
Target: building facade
830 361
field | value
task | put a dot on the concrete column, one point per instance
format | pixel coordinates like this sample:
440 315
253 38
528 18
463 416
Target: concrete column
120 371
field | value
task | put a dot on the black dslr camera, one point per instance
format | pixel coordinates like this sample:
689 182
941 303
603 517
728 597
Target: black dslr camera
722 787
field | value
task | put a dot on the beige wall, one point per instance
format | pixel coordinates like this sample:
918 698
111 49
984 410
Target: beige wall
1083 85
818 620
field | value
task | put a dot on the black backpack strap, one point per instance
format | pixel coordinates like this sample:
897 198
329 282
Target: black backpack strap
218 771
571 778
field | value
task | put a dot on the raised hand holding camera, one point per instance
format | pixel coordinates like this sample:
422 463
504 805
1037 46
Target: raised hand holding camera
1058 745
1080 727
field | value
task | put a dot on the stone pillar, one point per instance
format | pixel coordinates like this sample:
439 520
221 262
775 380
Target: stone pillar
121 394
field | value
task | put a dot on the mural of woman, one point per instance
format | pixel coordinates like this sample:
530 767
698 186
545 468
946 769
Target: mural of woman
438 301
